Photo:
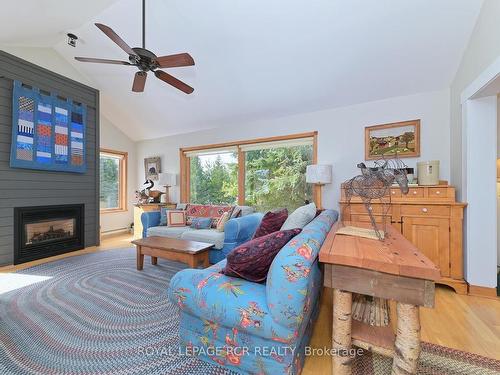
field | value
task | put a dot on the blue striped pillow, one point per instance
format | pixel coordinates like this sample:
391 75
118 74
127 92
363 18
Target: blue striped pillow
201 223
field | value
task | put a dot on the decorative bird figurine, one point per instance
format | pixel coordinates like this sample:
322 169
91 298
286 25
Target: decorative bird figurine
148 185
147 195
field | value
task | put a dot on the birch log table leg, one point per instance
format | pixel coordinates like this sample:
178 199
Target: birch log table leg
342 325
407 345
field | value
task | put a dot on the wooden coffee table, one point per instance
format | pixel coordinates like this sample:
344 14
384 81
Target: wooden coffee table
195 254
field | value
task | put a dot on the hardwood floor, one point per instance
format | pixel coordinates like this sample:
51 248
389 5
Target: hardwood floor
461 322
467 323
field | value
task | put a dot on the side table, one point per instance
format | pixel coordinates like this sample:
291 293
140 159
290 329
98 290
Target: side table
393 269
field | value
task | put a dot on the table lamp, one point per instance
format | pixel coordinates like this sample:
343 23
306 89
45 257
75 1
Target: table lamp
319 175
168 180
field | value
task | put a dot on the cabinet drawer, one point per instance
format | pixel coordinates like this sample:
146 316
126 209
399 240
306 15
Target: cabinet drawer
395 193
415 193
379 219
374 208
438 192
366 218
423 210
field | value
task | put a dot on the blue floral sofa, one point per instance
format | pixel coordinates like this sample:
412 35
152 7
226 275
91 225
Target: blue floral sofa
255 328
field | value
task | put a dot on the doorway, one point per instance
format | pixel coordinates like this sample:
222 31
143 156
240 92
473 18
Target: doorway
479 187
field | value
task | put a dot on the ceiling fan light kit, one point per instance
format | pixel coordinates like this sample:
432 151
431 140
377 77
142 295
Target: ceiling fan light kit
145 60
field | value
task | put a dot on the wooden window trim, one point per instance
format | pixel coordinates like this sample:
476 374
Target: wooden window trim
185 165
122 180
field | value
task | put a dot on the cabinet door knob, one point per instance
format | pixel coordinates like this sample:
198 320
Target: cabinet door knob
424 209
438 192
393 192
370 208
414 192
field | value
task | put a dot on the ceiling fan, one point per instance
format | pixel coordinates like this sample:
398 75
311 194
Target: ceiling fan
145 60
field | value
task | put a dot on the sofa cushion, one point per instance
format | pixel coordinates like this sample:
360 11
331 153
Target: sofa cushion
171 232
163 215
201 223
242 211
205 235
300 217
221 223
251 260
271 222
206 210
176 218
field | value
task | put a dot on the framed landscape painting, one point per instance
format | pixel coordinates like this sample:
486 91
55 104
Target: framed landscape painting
388 140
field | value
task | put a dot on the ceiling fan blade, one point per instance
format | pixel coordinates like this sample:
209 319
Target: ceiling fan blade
139 81
172 61
171 80
103 61
115 38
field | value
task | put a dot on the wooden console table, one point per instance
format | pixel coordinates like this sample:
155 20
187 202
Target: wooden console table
394 270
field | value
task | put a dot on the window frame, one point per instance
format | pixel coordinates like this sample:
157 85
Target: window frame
122 180
185 174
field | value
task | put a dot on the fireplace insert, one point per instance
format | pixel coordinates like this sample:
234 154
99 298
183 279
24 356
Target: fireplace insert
43 231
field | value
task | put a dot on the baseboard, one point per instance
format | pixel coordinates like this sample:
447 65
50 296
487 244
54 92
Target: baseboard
115 231
482 291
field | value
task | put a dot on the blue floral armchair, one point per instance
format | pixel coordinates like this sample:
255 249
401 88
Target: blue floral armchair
255 328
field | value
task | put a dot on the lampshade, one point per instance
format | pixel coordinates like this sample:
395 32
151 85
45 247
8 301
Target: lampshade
319 174
167 179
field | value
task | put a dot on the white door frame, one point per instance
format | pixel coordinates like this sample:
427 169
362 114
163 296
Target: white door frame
479 154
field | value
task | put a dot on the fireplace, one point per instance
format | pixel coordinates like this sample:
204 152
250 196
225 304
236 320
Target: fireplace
43 231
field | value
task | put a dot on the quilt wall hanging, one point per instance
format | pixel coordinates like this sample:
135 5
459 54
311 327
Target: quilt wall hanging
48 132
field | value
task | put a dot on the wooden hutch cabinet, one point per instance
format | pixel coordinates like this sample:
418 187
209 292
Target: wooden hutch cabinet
430 218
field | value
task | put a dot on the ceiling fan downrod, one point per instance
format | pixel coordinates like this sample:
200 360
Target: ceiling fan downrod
144 24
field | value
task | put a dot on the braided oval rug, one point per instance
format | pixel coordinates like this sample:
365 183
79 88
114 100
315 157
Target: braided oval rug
95 314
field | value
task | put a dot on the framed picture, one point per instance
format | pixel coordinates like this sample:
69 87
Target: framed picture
398 138
152 167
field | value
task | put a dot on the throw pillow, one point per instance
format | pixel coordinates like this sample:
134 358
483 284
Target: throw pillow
236 212
300 217
222 221
181 206
176 218
251 260
201 223
163 215
271 222
206 210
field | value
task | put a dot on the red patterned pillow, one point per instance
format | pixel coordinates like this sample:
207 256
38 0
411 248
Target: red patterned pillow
271 222
251 260
206 210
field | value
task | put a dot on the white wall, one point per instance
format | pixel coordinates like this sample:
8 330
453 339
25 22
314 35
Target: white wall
340 138
483 49
481 216
49 59
114 139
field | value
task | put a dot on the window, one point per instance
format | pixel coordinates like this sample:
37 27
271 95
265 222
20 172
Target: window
266 173
276 176
113 183
214 177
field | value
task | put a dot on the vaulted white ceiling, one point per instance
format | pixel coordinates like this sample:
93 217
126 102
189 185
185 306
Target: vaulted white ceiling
254 59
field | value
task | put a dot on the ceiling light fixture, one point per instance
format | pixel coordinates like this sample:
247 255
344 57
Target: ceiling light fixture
72 38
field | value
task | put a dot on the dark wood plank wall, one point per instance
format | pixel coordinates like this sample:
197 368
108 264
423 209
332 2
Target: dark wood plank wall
24 187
